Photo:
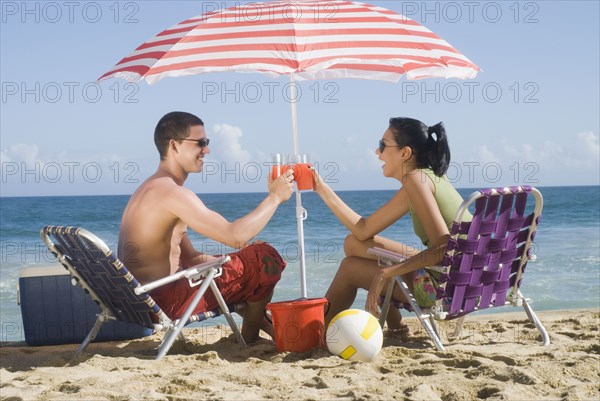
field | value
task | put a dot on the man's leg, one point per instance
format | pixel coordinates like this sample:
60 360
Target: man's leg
254 319
261 267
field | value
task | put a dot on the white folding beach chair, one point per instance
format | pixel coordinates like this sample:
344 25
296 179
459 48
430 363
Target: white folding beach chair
120 296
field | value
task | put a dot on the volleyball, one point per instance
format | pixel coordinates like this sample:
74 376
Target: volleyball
354 335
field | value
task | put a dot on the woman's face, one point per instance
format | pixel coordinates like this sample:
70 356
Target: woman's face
390 155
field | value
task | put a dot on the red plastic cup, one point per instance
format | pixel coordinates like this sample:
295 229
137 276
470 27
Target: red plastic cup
303 176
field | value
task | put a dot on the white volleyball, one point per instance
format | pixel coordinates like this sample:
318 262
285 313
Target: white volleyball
354 335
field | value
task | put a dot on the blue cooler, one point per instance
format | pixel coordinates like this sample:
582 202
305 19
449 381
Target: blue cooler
56 312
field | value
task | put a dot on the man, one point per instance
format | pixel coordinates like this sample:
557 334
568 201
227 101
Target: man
153 241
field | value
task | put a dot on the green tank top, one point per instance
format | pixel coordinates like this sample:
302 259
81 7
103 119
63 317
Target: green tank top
447 199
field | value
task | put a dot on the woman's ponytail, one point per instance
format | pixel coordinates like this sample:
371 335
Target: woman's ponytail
438 149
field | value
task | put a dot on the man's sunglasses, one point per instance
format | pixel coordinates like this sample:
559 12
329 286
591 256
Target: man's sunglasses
382 146
202 142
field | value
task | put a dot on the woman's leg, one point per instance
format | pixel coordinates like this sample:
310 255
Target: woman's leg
354 247
394 320
355 273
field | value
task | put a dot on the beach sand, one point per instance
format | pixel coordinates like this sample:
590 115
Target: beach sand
497 356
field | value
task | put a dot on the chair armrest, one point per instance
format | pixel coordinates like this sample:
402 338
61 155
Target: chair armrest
390 258
385 255
192 273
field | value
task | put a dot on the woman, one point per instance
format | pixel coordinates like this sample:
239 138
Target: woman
418 156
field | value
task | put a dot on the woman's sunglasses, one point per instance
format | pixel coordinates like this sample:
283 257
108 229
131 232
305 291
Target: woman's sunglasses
382 146
202 142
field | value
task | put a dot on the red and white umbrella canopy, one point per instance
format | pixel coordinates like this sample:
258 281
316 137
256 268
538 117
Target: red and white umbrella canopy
313 39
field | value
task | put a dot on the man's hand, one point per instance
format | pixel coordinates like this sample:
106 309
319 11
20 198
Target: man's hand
283 186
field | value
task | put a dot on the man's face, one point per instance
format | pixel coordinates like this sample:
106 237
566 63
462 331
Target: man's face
190 150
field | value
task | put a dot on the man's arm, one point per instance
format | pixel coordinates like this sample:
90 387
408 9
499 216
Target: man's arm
189 255
183 203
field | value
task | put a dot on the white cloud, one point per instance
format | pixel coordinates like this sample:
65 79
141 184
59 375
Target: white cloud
581 151
521 151
356 159
229 144
373 162
486 155
575 160
590 144
21 153
29 154
363 159
28 171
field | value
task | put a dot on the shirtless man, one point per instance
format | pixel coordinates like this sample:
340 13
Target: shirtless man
153 241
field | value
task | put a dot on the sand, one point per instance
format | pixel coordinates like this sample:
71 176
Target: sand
497 356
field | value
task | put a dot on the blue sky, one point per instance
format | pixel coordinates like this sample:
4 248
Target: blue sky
531 115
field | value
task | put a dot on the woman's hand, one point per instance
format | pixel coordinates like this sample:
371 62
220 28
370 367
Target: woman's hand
319 184
377 285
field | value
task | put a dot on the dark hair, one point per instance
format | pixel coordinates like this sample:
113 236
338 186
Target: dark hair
429 144
174 125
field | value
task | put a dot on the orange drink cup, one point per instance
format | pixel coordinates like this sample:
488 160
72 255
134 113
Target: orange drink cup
276 167
278 170
275 171
303 176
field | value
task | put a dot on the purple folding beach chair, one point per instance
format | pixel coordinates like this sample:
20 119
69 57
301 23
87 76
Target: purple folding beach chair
120 296
484 262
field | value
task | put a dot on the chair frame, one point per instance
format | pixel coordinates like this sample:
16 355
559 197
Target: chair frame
88 244
455 309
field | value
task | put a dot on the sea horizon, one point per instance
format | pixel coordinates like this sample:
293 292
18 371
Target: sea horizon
474 188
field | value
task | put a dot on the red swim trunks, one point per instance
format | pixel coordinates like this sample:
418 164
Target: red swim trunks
251 275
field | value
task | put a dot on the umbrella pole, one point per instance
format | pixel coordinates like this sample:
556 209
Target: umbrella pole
300 211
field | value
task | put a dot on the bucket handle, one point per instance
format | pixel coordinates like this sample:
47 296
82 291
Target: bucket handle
327 306
268 317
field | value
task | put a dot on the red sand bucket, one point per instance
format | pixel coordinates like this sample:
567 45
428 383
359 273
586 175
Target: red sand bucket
298 325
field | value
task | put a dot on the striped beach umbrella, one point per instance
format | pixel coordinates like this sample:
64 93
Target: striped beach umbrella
305 39
311 39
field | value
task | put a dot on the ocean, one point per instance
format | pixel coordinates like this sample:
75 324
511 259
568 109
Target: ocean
566 274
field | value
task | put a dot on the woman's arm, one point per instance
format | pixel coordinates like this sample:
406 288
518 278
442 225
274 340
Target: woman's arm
420 193
363 228
430 257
